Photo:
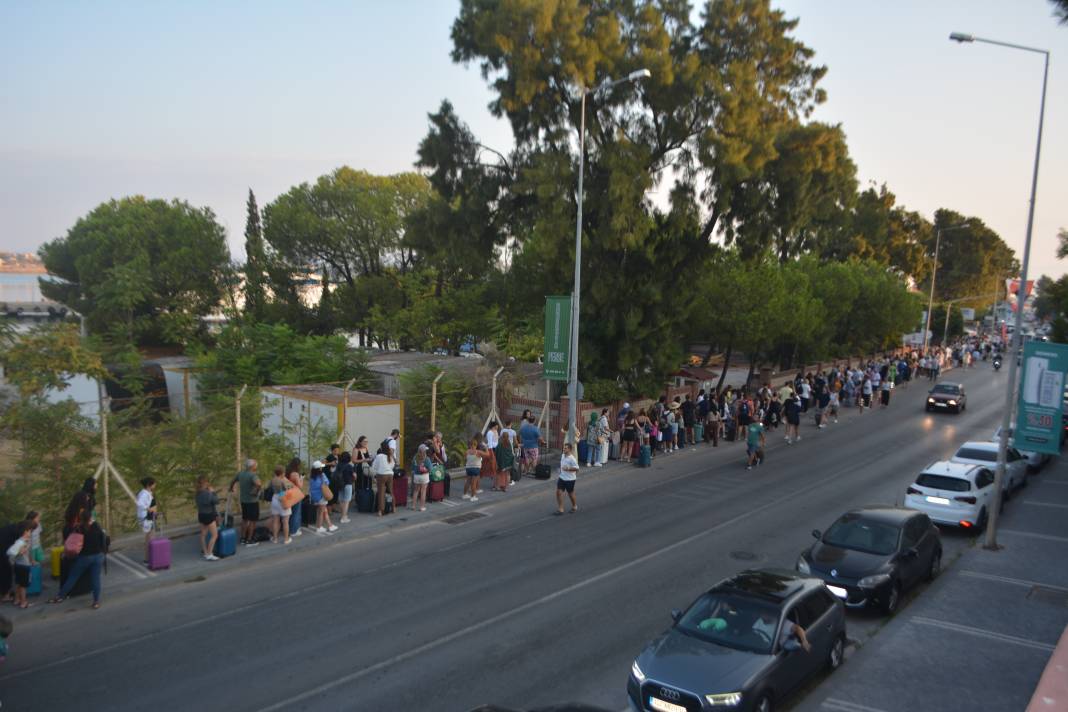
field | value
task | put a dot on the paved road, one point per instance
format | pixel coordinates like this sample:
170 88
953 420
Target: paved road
516 607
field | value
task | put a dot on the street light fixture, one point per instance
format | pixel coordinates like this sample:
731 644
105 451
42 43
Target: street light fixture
1010 388
572 399
934 273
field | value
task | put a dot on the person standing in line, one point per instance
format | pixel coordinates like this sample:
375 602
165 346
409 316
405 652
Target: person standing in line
250 485
361 461
476 455
280 514
688 410
884 392
592 439
866 390
297 480
147 510
566 481
823 403
713 422
382 469
18 556
505 459
421 465
530 437
604 430
629 437
208 516
347 475
439 455
489 464
754 444
317 482
673 426
91 558
394 437
833 401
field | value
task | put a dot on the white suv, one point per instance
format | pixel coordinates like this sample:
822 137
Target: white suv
977 452
953 494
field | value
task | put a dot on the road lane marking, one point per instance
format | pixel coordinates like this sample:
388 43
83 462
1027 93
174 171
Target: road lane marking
529 605
148 636
982 633
1044 504
845 706
1015 581
1034 535
128 564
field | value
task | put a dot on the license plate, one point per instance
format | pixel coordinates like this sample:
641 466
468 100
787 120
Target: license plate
838 591
938 500
940 405
664 706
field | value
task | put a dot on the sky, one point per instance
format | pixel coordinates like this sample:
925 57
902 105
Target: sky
203 100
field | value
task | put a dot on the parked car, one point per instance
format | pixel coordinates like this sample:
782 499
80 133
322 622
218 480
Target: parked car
871 555
947 396
978 452
1035 460
735 647
955 494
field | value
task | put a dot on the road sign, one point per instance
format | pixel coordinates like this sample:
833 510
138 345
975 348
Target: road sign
1039 410
557 338
967 314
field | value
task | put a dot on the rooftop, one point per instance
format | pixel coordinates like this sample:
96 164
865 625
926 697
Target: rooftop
326 394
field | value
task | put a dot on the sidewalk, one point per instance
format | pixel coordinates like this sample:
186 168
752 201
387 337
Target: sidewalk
979 637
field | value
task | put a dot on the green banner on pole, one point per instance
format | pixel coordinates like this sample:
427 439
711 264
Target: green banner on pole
557 338
1039 409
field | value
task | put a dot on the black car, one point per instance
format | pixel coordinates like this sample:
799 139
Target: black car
947 396
871 555
736 648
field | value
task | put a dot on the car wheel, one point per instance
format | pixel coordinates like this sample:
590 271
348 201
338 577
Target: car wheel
893 598
763 704
927 408
837 654
936 566
980 524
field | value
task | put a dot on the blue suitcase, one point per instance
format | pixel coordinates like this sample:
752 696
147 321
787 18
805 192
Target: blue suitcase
34 589
583 451
226 544
645 456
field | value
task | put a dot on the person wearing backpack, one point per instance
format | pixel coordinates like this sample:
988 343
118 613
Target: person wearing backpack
89 541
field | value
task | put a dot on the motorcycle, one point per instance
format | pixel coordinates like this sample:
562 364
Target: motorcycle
997 363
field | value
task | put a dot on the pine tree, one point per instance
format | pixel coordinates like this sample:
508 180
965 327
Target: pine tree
255 263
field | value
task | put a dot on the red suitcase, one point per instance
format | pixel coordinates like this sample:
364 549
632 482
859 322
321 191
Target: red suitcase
435 491
400 491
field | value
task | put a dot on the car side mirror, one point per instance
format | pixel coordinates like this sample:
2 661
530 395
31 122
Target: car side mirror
911 553
816 534
791 645
676 614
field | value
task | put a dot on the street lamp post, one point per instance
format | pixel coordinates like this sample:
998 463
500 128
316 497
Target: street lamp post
1010 388
572 396
934 273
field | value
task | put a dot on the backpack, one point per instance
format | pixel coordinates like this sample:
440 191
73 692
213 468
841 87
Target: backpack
744 409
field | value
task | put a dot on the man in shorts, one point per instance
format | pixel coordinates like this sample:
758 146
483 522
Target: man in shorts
566 481
250 485
530 437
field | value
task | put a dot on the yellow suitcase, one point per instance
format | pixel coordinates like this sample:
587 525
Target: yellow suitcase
57 558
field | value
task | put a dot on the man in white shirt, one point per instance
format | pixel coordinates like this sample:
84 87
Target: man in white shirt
392 441
566 481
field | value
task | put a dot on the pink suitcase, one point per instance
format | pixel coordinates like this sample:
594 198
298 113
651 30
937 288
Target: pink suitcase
159 549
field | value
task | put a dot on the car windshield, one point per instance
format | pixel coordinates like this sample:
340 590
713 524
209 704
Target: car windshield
946 389
942 482
852 531
974 453
731 620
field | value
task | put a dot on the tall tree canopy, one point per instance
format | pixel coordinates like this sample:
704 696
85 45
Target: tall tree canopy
348 227
725 94
141 271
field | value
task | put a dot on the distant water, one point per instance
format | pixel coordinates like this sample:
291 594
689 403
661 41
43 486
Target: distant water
20 287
